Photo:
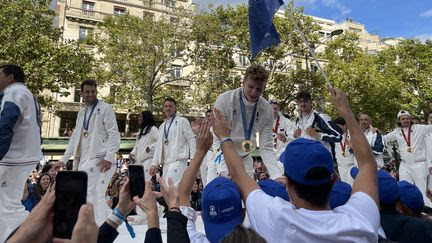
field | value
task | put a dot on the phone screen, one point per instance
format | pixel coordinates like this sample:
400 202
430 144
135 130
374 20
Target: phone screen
71 194
136 180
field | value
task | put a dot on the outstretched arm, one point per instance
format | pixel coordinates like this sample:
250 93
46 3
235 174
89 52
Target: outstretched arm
366 180
204 141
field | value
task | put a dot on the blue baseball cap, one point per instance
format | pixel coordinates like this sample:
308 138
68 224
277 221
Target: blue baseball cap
274 189
388 189
339 194
301 155
411 196
222 208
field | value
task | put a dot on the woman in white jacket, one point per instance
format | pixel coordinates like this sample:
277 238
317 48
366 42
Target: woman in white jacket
143 150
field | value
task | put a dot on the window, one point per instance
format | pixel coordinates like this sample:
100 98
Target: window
88 8
243 60
176 71
168 2
148 15
84 32
77 94
119 11
314 68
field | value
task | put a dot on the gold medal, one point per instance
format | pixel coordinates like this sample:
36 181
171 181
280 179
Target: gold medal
247 146
343 153
166 142
409 149
147 150
85 133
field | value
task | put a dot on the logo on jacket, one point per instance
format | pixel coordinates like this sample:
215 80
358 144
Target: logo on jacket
213 212
4 184
91 170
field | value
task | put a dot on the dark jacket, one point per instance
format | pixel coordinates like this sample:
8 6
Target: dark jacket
405 229
177 232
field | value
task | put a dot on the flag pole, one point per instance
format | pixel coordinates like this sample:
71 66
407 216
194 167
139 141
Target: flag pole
302 36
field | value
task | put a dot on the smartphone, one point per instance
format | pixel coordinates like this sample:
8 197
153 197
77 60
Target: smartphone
71 194
136 180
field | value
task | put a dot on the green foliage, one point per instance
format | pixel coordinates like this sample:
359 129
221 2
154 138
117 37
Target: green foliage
136 55
29 39
380 85
221 34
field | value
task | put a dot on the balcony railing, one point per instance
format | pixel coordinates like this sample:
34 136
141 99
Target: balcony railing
85 14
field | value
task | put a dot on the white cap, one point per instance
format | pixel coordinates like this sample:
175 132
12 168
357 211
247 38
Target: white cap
403 113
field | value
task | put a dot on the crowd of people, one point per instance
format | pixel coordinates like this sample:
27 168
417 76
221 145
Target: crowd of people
319 179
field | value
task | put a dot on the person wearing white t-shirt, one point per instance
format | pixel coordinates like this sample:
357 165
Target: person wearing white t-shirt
250 114
344 154
309 176
175 145
374 138
411 139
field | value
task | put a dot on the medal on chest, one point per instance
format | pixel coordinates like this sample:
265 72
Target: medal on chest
247 145
407 139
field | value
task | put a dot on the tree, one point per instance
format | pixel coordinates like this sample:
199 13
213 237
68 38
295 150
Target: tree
221 35
371 89
29 39
139 57
410 62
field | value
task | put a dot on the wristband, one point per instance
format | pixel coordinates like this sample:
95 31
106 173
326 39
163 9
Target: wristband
130 229
175 208
225 139
114 218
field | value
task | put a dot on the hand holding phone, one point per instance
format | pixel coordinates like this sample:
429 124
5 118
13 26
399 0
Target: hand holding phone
136 180
71 194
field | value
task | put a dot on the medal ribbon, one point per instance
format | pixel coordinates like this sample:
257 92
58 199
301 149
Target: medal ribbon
85 121
275 129
247 130
408 141
166 133
343 144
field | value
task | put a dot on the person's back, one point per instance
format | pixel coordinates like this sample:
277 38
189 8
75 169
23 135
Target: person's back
357 220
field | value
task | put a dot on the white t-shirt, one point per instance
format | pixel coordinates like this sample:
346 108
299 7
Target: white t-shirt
279 221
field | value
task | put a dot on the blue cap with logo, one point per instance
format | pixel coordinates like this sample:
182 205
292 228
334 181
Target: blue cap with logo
301 155
388 189
340 194
411 196
274 189
222 208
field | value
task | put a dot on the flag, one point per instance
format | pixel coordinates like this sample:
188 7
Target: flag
262 31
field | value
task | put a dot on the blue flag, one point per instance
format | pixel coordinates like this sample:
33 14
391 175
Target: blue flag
263 33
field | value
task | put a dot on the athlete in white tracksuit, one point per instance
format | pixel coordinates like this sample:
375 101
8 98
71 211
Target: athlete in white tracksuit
94 144
245 124
412 148
344 154
20 142
175 146
145 144
374 138
282 132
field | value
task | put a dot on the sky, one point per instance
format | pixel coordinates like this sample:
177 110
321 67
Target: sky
387 18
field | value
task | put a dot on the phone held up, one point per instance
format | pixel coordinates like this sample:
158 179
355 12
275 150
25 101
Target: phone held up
136 180
71 194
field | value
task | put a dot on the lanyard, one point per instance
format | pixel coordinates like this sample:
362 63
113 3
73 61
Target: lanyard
166 133
86 121
275 130
343 144
38 117
408 141
247 130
